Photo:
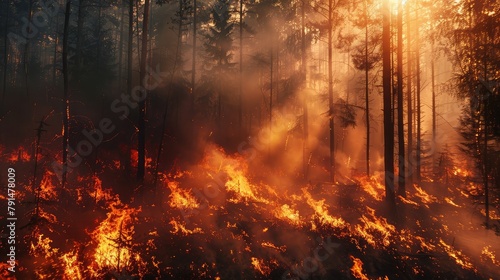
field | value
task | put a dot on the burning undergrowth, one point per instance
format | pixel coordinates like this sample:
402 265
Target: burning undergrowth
221 219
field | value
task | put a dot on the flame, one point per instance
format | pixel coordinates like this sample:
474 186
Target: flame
461 172
407 201
357 269
424 196
19 154
321 211
449 201
260 266
5 274
71 266
179 227
180 198
47 187
113 237
371 225
373 186
286 213
42 248
459 258
271 245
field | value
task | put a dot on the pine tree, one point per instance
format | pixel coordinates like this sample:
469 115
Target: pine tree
218 49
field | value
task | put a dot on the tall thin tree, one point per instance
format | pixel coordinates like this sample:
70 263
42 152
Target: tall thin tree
409 105
330 91
387 101
401 136
141 134
66 109
418 98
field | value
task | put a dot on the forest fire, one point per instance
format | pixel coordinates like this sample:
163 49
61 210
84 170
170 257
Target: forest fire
266 139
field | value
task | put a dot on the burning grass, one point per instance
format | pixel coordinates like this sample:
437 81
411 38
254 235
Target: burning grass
215 220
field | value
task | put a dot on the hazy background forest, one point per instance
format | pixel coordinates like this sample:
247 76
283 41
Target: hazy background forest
165 122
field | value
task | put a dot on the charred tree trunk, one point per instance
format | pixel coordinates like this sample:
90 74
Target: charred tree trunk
27 47
401 135
130 42
387 96
66 93
141 135
169 92
240 95
271 88
5 57
367 97
433 92
120 48
419 119
486 171
193 67
79 40
330 91
54 60
304 77
409 96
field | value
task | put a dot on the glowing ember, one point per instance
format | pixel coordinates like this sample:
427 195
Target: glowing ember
180 228
449 201
20 154
456 255
260 266
488 255
271 245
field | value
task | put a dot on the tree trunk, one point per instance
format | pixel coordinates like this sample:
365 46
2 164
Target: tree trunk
141 135
433 89
5 57
367 98
409 96
271 87
387 96
129 48
66 92
401 135
27 47
330 91
193 67
419 119
120 47
304 76
79 40
54 61
169 92
240 95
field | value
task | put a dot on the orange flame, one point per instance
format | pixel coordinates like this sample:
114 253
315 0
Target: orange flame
179 227
113 237
371 225
357 269
456 255
71 266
